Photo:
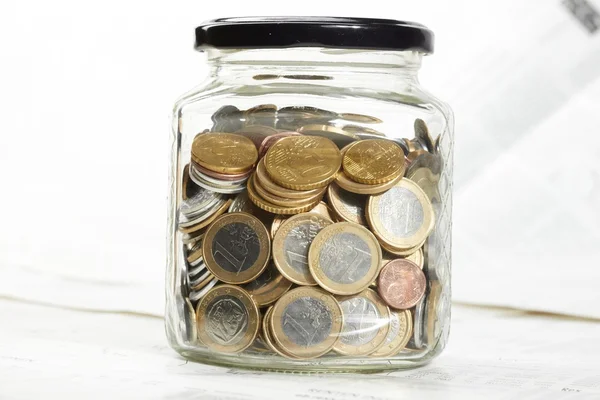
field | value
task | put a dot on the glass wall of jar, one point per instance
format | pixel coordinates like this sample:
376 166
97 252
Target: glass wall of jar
309 225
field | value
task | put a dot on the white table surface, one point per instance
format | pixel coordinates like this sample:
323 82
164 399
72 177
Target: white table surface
59 352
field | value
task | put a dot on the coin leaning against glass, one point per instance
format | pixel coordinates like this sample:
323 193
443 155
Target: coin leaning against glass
401 327
307 322
236 248
423 136
402 217
401 284
291 245
344 258
224 152
228 319
366 324
373 161
303 162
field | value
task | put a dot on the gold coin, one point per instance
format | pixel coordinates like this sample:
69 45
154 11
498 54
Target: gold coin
277 221
228 319
399 334
267 334
344 258
402 217
267 183
307 322
373 161
338 136
347 206
291 244
417 257
360 188
303 162
195 253
274 208
236 248
224 152
206 222
366 324
360 118
402 253
268 287
281 201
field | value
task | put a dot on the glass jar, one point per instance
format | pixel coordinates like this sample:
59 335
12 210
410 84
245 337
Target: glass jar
309 226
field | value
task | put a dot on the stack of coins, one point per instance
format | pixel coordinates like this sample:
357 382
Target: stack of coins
303 235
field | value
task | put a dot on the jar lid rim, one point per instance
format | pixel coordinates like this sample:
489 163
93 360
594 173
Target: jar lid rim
329 32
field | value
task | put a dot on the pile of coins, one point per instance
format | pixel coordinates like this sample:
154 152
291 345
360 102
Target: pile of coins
303 238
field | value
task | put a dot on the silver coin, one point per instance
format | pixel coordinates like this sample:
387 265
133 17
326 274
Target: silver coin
361 321
184 222
191 239
183 278
345 258
307 321
197 269
218 182
227 119
298 240
221 189
423 136
196 262
183 218
404 214
199 200
199 278
419 321
197 295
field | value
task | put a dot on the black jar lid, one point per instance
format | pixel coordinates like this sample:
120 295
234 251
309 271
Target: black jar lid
331 32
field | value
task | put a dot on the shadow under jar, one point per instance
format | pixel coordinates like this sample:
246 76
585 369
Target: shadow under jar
309 226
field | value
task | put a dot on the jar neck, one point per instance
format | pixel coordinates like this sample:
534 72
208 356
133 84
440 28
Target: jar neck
315 64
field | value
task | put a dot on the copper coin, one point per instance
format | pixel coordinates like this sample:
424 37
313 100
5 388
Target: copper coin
221 176
271 140
401 284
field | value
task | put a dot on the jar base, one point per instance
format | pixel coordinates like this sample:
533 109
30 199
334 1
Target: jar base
272 363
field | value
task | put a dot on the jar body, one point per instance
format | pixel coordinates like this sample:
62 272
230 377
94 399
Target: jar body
364 93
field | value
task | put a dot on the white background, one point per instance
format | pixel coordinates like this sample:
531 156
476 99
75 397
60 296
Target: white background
86 90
